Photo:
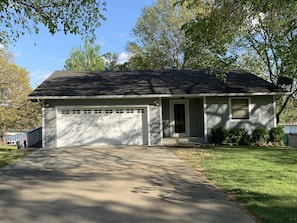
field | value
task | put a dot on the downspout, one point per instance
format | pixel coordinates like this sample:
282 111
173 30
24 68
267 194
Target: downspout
161 119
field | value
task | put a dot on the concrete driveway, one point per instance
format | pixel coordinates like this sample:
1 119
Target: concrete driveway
110 184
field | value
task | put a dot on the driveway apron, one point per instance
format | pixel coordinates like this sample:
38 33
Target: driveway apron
110 184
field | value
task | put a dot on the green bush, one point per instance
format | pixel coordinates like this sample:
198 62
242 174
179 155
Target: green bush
260 135
239 136
277 134
219 135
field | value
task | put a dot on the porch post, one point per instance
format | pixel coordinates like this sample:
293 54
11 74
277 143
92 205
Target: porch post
161 119
274 112
205 119
43 125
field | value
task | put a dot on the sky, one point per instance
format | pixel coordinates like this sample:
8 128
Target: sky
43 53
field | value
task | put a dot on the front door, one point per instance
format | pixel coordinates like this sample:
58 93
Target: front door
179 118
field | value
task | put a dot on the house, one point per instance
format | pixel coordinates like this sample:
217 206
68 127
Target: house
147 107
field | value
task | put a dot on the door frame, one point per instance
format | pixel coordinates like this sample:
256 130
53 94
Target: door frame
187 118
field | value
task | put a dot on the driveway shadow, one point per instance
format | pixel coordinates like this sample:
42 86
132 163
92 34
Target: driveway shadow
110 184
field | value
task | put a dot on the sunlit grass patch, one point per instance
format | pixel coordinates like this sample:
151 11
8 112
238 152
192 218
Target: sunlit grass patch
9 154
263 179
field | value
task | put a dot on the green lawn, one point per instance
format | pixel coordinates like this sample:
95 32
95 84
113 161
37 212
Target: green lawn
9 154
263 179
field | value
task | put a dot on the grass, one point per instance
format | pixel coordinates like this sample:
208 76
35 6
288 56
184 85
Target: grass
262 179
9 154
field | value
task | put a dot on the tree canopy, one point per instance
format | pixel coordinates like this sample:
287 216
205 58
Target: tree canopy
86 57
257 35
160 43
16 112
110 61
77 16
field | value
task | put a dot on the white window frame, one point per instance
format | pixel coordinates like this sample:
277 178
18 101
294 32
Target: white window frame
230 109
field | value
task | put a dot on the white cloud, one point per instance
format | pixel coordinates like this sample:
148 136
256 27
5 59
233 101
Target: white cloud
38 76
124 57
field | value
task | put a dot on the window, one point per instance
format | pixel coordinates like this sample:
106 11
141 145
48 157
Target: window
65 112
108 111
76 112
240 108
98 111
87 112
119 111
130 111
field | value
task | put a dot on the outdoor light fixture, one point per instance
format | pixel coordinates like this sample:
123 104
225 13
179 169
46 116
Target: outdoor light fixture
156 102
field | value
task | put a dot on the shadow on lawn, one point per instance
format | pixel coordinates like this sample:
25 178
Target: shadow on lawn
286 156
268 208
274 168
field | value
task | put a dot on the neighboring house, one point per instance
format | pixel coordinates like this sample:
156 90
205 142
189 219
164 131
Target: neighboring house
289 128
13 137
83 108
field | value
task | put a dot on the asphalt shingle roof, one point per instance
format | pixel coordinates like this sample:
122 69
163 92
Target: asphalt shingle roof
133 83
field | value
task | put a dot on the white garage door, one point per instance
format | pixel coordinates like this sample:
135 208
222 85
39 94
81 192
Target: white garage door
101 126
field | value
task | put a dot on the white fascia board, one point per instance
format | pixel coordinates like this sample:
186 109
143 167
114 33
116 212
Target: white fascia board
157 96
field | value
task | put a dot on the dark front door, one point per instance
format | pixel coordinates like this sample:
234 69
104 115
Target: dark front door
179 118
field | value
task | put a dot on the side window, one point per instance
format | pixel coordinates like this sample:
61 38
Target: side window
240 108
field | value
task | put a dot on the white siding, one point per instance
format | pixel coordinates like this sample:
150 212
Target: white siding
217 111
151 130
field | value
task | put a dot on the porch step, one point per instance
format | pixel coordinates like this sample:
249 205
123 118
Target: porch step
184 140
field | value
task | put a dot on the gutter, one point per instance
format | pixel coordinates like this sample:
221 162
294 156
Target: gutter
38 98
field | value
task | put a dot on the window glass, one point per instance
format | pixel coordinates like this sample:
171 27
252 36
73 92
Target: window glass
240 108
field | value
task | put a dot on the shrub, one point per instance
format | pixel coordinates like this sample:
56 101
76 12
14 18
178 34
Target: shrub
277 134
239 136
219 135
260 135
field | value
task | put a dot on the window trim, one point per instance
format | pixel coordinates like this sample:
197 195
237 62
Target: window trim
230 109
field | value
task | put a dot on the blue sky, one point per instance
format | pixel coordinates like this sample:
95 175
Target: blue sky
42 54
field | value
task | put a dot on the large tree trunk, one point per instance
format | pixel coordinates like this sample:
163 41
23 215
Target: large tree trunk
283 106
3 138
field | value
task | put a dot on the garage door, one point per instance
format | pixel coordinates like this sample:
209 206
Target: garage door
101 126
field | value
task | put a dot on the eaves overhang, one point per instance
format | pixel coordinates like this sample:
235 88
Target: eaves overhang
36 98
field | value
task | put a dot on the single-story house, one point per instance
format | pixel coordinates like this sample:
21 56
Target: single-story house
84 108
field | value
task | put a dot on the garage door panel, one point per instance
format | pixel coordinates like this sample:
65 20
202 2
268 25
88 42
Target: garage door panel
101 127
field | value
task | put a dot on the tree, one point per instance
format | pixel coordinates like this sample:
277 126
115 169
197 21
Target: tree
160 43
260 35
86 57
110 61
289 115
16 112
76 16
